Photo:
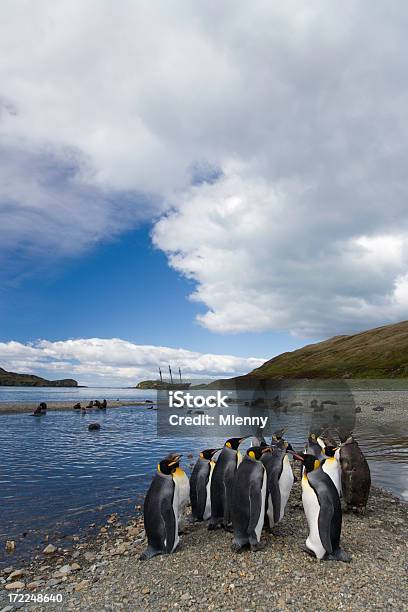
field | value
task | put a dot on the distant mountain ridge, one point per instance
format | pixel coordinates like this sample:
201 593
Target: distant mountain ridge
13 379
378 353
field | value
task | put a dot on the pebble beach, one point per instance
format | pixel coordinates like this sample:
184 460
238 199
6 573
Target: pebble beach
103 572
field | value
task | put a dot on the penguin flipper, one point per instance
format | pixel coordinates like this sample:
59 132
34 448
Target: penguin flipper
201 494
330 518
170 525
324 523
273 487
255 505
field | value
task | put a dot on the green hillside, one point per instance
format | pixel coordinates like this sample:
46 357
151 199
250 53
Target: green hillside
377 353
12 379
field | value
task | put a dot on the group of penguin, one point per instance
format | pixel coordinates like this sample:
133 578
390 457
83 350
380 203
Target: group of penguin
246 494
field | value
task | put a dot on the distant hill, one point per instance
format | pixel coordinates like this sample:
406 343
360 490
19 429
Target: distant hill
160 385
377 353
12 379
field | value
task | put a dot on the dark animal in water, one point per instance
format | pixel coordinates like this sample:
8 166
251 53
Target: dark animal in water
77 406
41 409
94 426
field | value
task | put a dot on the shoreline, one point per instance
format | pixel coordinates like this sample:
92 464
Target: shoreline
103 571
18 407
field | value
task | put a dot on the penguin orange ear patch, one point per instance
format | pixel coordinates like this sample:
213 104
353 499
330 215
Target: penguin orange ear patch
228 444
316 464
251 454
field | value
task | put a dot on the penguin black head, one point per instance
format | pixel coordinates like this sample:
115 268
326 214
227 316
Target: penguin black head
309 461
234 442
330 450
256 452
208 453
169 465
278 434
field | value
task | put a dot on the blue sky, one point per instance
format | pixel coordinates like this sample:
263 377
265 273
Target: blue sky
209 185
125 289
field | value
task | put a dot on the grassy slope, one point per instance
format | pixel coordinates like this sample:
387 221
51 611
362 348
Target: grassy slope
376 353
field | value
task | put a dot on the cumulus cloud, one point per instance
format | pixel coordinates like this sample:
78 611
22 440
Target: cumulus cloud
265 258
115 361
298 110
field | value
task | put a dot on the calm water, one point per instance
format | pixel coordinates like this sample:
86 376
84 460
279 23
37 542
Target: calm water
70 394
56 477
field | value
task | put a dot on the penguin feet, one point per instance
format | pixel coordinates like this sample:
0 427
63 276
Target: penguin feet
257 547
214 526
308 551
149 553
337 555
238 548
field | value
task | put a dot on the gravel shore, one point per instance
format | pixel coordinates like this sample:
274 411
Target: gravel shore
106 574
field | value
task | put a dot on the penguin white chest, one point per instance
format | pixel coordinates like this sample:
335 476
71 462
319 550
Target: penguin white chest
312 509
285 484
207 511
332 468
259 525
182 484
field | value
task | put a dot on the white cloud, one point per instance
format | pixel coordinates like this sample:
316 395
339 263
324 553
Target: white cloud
115 361
302 107
262 260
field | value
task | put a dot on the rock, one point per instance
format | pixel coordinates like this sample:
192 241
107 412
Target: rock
112 518
53 582
14 586
90 557
65 570
145 591
82 585
10 546
75 567
16 574
35 584
8 570
121 549
7 609
50 549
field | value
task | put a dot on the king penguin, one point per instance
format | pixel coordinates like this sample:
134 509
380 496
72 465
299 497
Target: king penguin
248 501
280 480
200 485
322 507
162 508
331 466
355 475
221 484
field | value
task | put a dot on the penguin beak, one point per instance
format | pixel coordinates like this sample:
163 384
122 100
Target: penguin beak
295 455
175 460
